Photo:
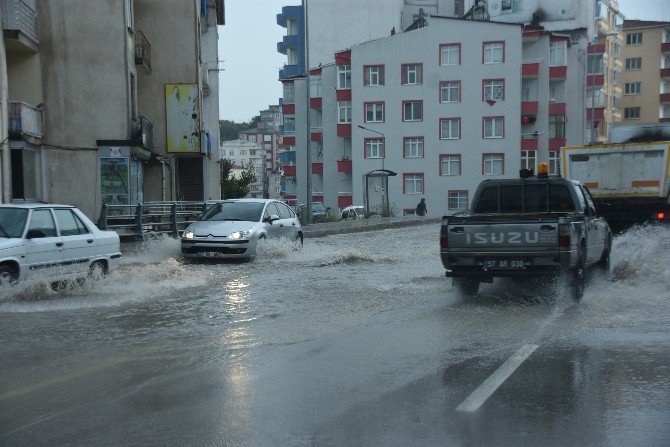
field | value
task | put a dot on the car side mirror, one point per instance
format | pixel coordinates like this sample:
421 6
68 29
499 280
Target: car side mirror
35 234
272 218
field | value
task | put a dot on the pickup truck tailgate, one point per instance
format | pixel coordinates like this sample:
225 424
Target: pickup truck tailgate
511 237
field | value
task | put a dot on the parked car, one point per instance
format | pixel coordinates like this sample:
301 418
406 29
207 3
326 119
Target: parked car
353 212
232 228
54 241
319 211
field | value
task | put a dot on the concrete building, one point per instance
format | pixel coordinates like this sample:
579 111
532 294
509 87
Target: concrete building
99 71
646 74
247 154
267 135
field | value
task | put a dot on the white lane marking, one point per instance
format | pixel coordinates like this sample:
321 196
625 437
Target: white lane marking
490 385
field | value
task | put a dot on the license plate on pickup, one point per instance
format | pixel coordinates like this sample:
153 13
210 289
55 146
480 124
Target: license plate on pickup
504 264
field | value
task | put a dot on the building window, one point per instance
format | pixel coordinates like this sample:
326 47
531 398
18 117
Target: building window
374 112
344 112
343 77
374 148
450 165
315 86
289 93
554 163
450 91
373 75
450 54
634 63
267 138
413 147
231 152
557 126
493 164
557 53
412 183
493 90
594 64
633 88
412 74
529 160
634 39
494 52
292 56
494 127
457 200
450 128
289 125
412 110
631 113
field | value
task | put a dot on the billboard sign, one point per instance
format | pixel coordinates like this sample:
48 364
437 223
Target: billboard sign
521 11
182 108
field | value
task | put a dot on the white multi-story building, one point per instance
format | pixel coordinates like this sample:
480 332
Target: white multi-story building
244 154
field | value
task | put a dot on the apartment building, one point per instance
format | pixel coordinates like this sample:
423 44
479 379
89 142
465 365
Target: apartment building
646 74
128 110
246 154
267 134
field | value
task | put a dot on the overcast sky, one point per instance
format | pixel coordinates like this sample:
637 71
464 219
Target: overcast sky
251 63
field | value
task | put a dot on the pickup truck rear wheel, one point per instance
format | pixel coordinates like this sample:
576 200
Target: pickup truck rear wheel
578 279
604 263
466 287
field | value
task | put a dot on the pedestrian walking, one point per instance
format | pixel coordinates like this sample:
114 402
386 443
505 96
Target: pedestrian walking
421 209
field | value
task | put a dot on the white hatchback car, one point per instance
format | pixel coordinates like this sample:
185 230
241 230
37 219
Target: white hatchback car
53 242
232 228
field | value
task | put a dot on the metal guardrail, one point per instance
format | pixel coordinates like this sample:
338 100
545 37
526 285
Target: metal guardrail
136 221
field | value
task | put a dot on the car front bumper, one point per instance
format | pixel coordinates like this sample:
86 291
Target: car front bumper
213 248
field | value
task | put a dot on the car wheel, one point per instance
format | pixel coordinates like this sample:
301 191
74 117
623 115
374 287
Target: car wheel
97 270
578 279
8 276
466 287
604 263
299 240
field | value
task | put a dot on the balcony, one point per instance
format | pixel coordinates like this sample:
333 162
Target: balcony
289 171
530 70
317 168
665 48
24 120
19 26
290 71
556 144
344 199
595 80
597 49
288 42
557 108
288 12
287 140
558 72
316 134
343 95
665 97
665 73
143 52
529 107
529 143
344 166
344 130
288 109
598 113
315 103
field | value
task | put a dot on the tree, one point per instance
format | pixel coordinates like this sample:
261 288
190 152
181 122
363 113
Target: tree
235 187
229 130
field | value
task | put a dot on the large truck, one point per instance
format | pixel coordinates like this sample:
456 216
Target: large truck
629 181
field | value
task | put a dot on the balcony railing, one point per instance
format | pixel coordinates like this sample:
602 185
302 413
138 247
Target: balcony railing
142 51
19 17
25 120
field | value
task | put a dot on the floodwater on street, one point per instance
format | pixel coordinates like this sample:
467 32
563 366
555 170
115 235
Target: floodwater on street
355 339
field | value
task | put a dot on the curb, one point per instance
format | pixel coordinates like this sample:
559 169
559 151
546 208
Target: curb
322 230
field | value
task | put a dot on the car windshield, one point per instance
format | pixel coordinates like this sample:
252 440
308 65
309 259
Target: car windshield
244 211
12 222
318 207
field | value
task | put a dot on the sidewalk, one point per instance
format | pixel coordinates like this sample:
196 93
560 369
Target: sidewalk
361 225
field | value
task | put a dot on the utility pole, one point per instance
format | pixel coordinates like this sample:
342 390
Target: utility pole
4 127
308 129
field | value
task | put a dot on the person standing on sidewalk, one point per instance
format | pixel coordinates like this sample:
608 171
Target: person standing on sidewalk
421 209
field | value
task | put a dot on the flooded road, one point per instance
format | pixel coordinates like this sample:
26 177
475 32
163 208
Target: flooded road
354 340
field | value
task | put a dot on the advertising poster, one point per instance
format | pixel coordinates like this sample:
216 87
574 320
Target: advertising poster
182 108
521 11
114 180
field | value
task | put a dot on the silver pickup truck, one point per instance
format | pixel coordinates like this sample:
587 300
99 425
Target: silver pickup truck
522 228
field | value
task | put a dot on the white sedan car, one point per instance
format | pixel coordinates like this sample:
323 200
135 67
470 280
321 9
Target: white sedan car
232 228
53 242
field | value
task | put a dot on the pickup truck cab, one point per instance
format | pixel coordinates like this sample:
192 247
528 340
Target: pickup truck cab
522 228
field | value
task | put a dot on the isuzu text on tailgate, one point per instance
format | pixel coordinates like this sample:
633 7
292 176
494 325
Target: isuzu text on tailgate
523 228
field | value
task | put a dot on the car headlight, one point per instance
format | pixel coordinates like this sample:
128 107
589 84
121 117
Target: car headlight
244 234
188 235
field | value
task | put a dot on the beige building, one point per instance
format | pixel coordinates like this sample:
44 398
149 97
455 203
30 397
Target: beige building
100 87
646 75
244 153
